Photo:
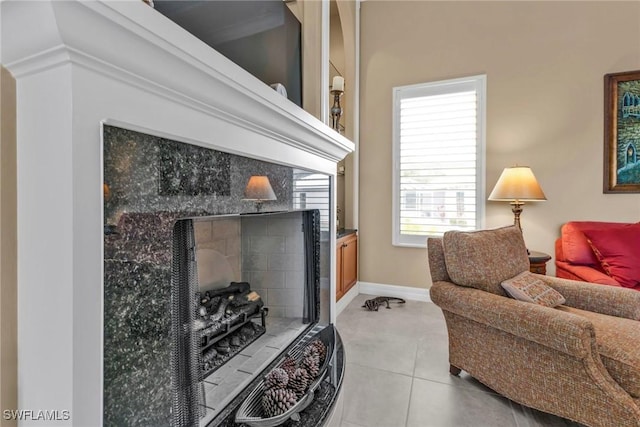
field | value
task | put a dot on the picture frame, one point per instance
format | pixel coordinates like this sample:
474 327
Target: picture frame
622 132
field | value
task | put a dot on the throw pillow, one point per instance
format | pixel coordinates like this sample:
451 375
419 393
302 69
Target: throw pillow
575 247
527 287
483 259
618 251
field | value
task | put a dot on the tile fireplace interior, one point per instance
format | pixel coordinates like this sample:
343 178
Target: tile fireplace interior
266 253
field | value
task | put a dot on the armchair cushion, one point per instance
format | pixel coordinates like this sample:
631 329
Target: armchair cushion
527 287
618 250
618 344
483 259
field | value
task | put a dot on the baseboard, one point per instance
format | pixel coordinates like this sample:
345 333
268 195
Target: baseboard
347 298
405 292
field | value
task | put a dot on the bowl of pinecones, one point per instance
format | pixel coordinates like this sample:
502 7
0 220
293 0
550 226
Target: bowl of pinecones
289 387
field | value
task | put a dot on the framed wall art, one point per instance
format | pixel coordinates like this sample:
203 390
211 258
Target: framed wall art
622 132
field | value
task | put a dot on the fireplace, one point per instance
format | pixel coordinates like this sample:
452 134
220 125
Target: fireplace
202 294
138 71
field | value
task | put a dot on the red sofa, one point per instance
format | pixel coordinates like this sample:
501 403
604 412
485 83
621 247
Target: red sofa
576 260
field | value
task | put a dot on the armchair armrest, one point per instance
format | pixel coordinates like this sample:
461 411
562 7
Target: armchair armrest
614 301
561 331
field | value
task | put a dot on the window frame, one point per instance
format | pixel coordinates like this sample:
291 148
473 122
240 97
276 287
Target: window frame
477 83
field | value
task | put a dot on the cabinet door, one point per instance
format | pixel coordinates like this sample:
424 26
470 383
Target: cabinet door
349 262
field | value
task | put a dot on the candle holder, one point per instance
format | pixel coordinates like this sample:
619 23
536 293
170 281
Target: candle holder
336 110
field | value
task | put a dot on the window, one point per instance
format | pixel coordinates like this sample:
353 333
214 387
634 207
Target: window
438 159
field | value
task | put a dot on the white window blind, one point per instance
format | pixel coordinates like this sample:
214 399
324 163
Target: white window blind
438 159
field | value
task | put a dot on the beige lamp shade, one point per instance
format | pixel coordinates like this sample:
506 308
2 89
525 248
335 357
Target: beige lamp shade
517 183
259 189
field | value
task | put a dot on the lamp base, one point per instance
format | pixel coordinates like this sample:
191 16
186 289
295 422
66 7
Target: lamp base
516 208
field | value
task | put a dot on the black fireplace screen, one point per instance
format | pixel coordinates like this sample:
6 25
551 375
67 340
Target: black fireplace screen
185 355
311 305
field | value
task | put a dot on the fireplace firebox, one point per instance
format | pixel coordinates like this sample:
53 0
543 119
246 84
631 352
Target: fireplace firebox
225 323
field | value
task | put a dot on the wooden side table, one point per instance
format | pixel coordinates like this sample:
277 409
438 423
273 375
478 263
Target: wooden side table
538 262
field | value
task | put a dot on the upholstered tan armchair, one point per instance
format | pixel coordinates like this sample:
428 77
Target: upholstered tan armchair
580 360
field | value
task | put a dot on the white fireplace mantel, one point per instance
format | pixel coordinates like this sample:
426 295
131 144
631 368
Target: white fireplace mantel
133 43
79 64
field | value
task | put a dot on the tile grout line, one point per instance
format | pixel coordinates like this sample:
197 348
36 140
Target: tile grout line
380 369
406 415
413 378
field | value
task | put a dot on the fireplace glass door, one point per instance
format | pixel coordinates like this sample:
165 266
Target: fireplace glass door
255 290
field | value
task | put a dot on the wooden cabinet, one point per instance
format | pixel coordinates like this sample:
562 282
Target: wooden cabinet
346 263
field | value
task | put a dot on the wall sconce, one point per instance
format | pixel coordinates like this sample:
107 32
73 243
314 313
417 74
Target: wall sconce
259 189
517 185
337 89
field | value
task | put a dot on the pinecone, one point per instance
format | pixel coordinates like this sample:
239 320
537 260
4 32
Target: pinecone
299 382
278 378
322 349
312 365
277 401
311 350
289 365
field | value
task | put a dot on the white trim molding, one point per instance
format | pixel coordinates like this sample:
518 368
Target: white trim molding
347 298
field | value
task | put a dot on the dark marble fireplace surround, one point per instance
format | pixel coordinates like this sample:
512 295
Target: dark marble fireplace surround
150 185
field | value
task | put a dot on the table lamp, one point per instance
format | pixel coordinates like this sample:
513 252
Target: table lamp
259 189
517 185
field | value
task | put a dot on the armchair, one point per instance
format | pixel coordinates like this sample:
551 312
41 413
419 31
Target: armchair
580 360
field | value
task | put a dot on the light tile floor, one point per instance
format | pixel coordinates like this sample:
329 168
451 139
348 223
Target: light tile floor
397 375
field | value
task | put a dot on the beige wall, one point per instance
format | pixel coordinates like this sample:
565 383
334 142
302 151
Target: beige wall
544 63
8 261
